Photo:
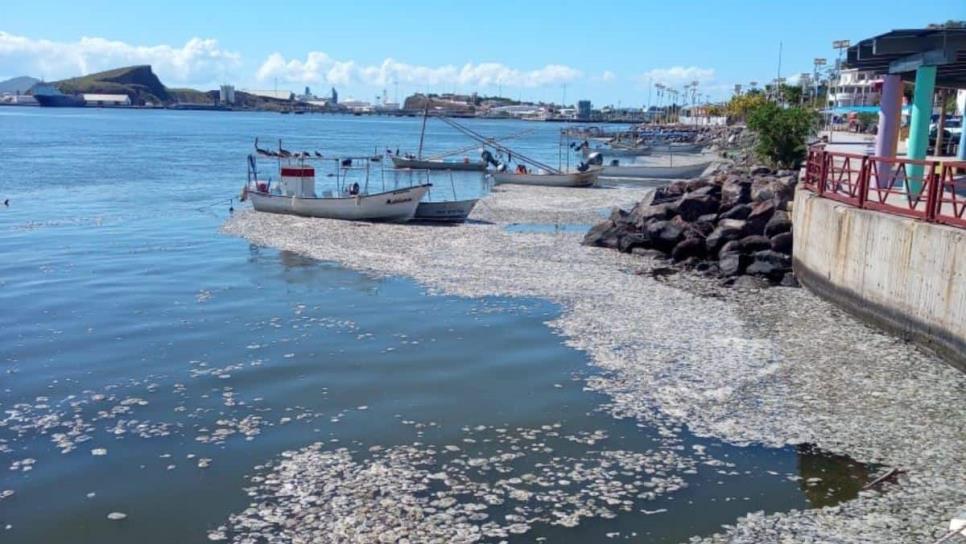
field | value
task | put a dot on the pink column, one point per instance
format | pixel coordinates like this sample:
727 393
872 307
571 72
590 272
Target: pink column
887 137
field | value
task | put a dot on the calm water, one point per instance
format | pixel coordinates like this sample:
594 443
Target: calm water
131 331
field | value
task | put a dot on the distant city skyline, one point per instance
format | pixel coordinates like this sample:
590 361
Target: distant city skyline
607 52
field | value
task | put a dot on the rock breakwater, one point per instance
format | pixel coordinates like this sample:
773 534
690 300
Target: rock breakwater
733 223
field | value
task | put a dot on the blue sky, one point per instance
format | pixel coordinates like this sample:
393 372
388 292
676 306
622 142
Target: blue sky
604 51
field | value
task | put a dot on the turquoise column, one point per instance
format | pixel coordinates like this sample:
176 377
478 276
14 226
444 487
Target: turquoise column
961 154
919 123
890 109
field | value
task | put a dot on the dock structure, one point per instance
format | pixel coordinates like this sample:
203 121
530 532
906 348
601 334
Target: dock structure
884 235
928 57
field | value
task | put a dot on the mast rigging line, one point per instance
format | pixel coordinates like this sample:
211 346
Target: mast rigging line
489 141
472 147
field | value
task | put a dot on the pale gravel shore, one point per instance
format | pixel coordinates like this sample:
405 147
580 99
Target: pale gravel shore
775 367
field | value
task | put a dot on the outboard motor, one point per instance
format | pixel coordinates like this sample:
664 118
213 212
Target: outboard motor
489 159
582 167
346 162
595 159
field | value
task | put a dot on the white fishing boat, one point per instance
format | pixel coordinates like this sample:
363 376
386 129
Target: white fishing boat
549 179
294 194
448 211
618 151
438 164
649 171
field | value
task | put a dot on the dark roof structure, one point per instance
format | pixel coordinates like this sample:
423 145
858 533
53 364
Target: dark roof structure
902 51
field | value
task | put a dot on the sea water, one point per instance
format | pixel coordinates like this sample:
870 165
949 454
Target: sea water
150 363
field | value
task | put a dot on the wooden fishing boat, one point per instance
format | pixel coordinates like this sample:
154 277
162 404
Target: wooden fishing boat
430 164
561 179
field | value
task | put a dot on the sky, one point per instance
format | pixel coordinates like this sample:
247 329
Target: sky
610 52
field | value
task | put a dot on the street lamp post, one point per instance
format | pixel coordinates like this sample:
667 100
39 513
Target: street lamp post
840 45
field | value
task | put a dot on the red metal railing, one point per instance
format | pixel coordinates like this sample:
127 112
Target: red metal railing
928 190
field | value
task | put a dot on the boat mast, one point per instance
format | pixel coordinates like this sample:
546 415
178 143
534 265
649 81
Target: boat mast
422 133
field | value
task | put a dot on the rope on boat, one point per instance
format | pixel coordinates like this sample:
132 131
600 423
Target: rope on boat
230 201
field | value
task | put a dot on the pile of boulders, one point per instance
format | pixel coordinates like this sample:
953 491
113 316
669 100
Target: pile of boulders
733 223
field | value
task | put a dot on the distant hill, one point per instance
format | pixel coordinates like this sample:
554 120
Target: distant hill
18 84
138 82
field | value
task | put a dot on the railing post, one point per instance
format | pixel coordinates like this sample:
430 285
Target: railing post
823 173
934 186
864 181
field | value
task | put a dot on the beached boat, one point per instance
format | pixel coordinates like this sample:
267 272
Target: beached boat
450 211
646 171
430 164
562 179
618 151
294 194
676 147
391 206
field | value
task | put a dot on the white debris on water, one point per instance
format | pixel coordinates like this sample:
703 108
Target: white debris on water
776 367
409 493
116 516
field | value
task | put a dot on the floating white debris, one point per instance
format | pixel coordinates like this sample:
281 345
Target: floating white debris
99 451
116 516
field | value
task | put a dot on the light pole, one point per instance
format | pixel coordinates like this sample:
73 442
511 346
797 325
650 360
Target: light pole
841 45
819 61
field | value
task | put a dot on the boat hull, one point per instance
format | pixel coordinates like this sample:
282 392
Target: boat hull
619 151
575 179
60 101
417 164
686 171
453 211
392 206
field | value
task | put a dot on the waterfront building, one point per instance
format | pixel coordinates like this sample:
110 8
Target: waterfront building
107 99
226 95
274 95
335 97
855 87
584 110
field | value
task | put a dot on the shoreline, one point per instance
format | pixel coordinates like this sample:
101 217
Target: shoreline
703 359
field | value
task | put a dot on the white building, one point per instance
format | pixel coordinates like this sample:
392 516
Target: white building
855 88
226 95
107 99
275 95
522 110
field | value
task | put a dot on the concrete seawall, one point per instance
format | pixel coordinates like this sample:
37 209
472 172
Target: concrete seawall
905 275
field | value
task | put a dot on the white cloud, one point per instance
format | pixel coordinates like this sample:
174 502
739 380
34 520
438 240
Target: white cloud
678 75
608 76
198 60
319 67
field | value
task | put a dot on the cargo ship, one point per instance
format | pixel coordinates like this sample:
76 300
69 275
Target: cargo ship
50 96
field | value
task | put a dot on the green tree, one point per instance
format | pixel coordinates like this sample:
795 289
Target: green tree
781 133
741 105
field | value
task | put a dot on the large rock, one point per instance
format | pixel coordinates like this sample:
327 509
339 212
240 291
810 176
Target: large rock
760 214
759 170
629 241
689 247
770 264
733 264
692 207
665 235
604 234
782 243
740 211
735 190
748 244
780 222
726 231
655 212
